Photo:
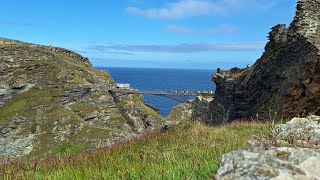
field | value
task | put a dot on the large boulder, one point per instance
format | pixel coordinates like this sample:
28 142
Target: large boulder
293 152
278 163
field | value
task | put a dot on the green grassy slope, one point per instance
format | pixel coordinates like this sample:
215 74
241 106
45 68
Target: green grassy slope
192 152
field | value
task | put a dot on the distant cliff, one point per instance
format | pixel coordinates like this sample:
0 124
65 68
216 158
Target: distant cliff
52 101
283 83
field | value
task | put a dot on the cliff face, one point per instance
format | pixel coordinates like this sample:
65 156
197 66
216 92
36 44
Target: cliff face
53 101
284 82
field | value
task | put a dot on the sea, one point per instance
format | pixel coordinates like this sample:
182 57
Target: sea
163 80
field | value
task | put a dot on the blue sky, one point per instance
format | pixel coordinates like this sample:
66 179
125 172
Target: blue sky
199 34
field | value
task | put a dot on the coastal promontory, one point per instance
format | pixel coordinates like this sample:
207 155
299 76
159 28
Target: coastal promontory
52 101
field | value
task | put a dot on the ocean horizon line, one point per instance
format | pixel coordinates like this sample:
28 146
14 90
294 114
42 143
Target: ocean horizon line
103 67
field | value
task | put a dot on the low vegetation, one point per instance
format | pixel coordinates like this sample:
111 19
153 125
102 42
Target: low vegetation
20 105
190 152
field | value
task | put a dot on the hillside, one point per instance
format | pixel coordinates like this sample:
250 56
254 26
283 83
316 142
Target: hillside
52 101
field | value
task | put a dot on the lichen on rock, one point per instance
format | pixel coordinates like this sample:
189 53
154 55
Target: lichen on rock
263 160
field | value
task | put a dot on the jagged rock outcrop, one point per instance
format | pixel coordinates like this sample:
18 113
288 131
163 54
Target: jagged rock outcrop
293 152
200 108
283 83
53 101
179 116
195 110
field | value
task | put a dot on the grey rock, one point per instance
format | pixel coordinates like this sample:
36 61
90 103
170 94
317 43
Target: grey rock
6 92
256 144
77 92
195 110
303 132
179 116
13 144
200 108
275 163
265 161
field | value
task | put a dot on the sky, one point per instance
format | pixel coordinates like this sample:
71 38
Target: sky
186 34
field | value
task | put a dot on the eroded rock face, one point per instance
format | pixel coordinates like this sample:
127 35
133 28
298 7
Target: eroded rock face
52 99
200 108
195 110
14 144
179 116
283 83
300 159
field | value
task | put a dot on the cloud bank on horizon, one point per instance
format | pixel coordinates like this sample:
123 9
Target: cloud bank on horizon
181 48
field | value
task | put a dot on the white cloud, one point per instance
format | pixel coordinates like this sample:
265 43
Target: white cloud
181 9
222 28
191 8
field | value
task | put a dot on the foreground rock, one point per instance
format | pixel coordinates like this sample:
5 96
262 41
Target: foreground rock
283 83
299 160
52 101
303 132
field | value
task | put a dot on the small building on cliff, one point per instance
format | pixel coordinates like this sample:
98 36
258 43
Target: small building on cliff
123 86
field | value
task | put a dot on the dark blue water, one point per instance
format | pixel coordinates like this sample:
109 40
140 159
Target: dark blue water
163 80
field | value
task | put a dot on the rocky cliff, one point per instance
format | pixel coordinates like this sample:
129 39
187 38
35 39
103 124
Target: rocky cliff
283 83
53 101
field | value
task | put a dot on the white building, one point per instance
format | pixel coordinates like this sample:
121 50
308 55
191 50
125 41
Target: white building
123 86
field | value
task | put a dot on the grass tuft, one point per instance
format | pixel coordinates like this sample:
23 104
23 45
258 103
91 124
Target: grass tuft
33 128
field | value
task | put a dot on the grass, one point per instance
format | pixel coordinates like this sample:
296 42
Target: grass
116 122
57 112
140 101
20 104
149 110
190 152
83 109
68 148
33 128
128 101
123 102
